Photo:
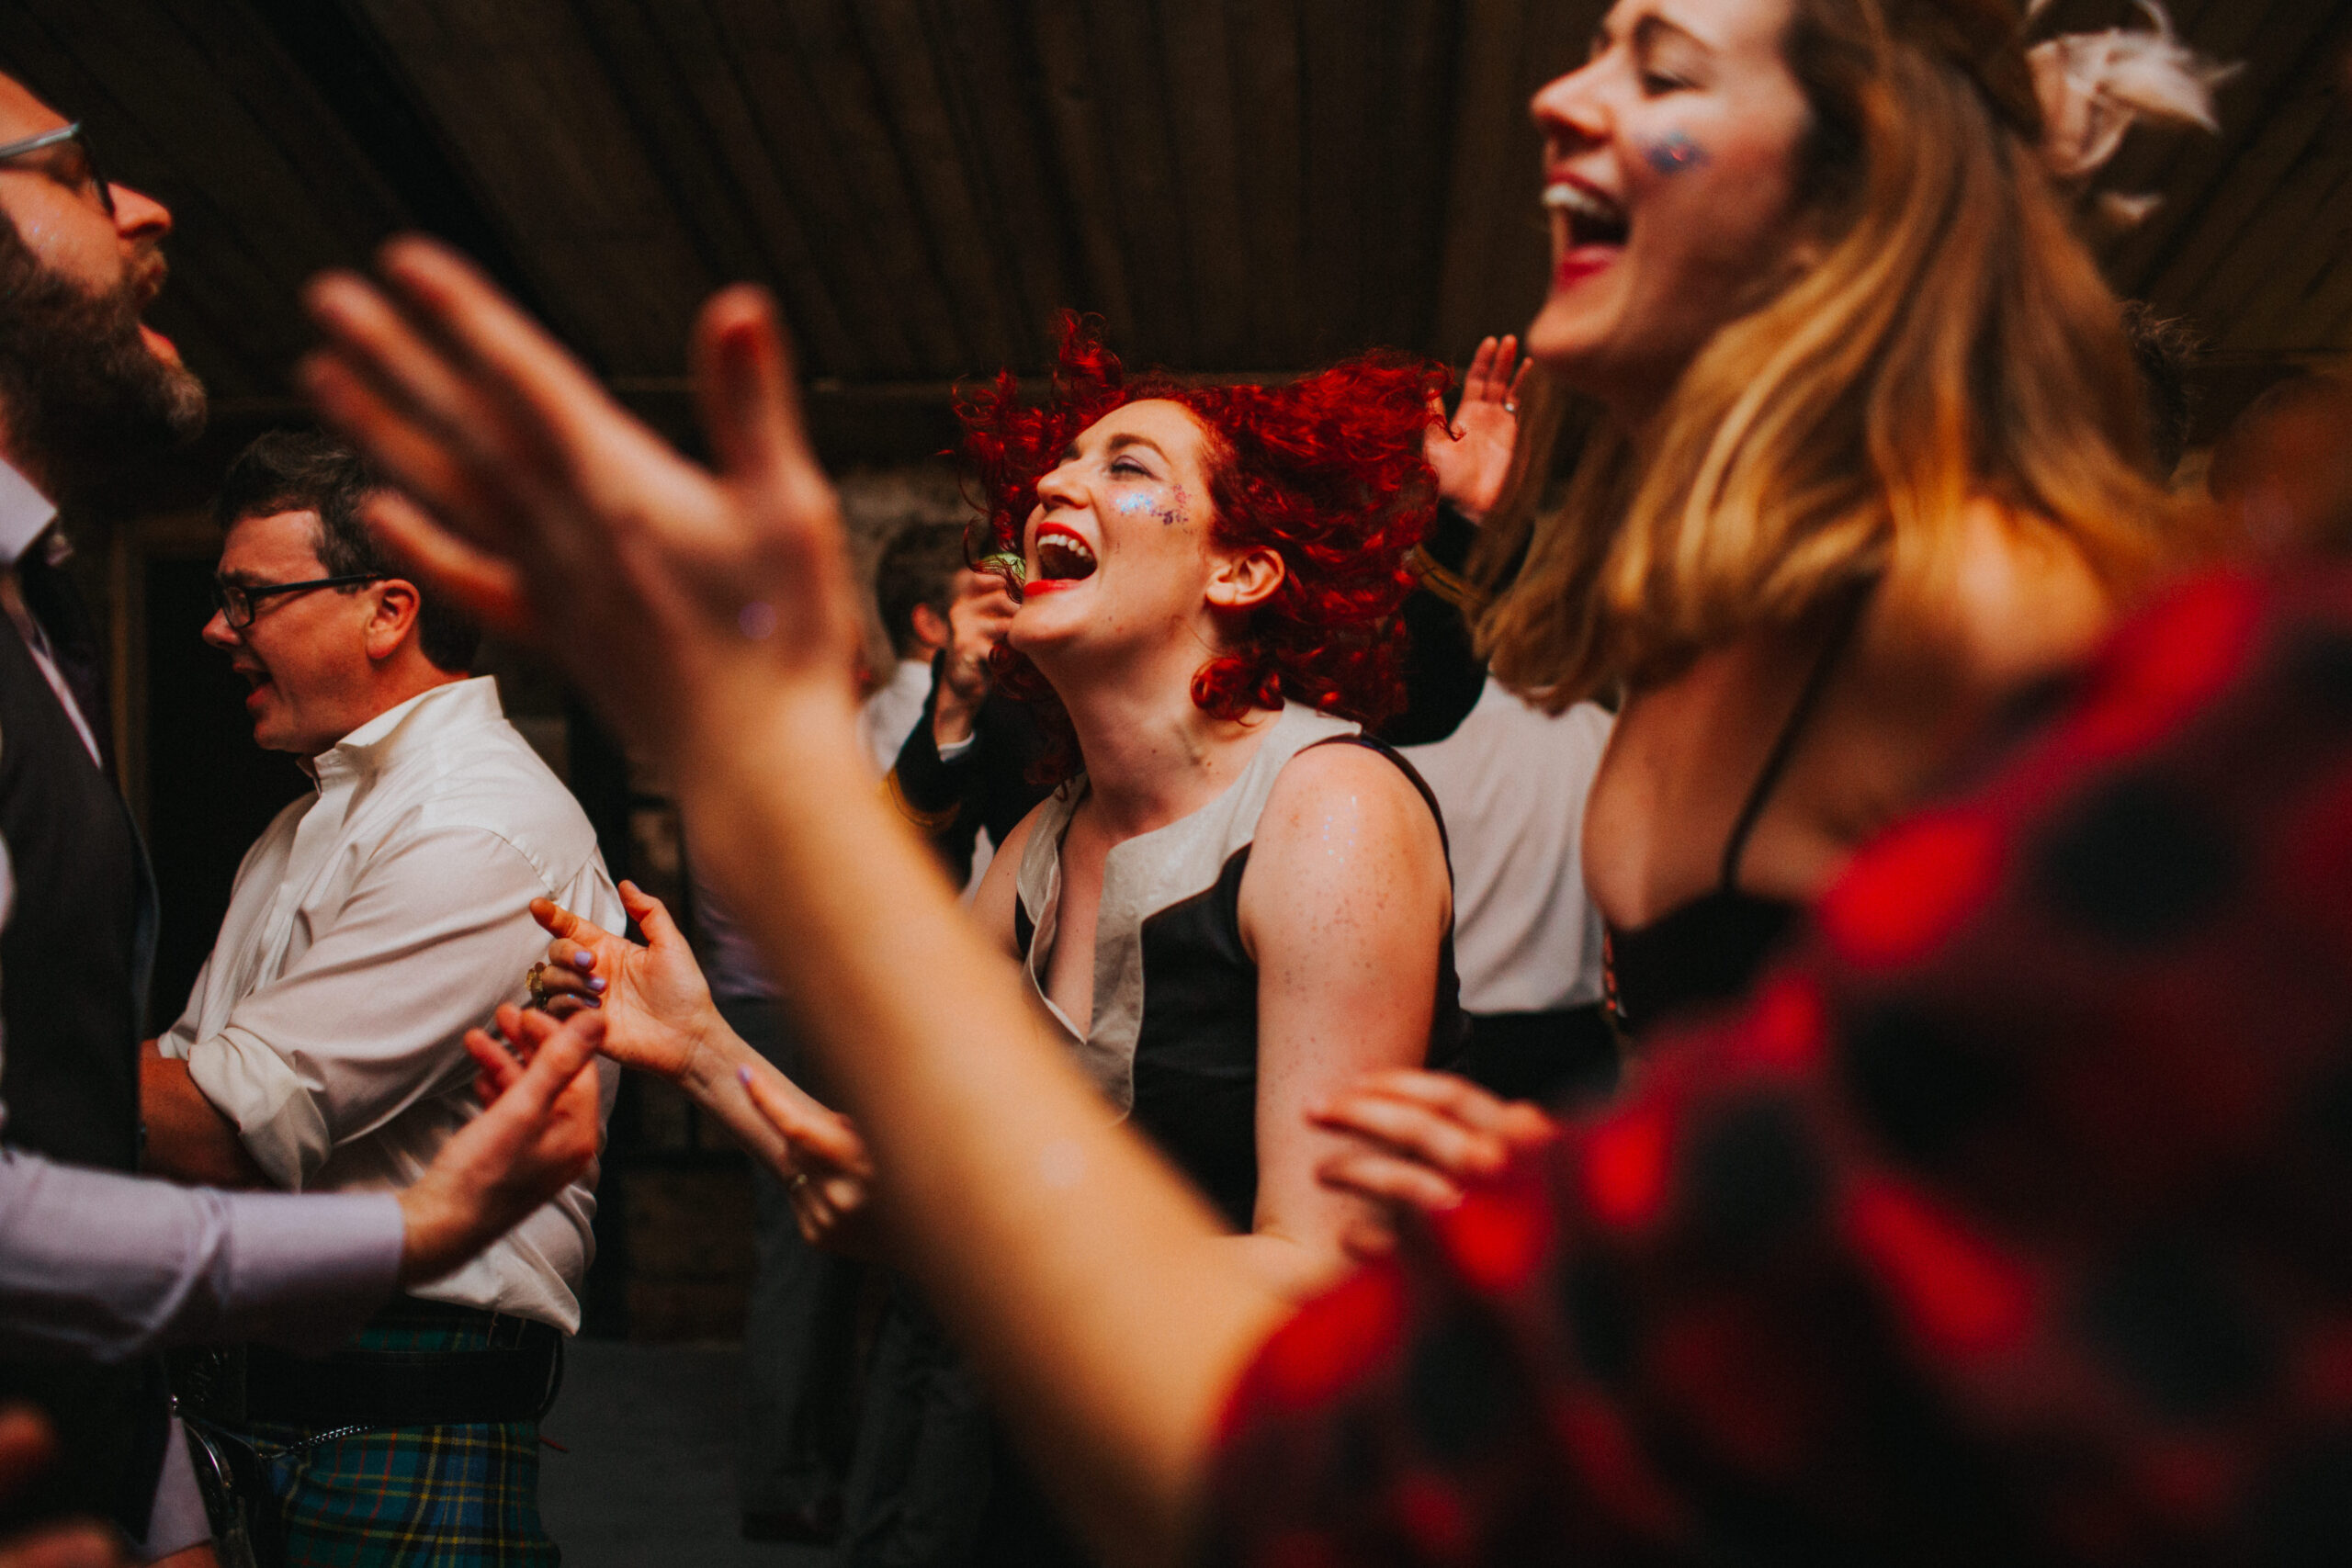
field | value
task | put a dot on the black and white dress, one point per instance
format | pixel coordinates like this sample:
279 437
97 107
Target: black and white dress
1174 1038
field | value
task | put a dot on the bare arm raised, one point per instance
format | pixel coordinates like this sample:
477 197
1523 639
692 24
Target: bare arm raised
711 617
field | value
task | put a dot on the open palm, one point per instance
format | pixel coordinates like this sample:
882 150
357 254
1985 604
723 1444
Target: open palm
656 1004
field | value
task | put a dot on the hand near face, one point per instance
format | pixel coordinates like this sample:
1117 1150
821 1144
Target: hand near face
976 619
1418 1140
1470 452
552 515
656 1004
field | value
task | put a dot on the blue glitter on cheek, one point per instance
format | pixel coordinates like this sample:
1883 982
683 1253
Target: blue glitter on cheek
1132 502
1675 154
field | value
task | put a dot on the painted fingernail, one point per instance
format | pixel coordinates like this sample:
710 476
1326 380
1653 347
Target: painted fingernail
744 1074
584 959
596 982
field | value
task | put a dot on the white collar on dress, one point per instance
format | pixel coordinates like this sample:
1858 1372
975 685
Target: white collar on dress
24 514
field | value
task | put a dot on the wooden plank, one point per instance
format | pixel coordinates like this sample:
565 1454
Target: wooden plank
2199 175
838 76
2271 252
1339 130
1058 40
2275 315
1131 101
2258 174
1409 252
1196 52
761 49
531 113
1002 121
1271 172
916 89
669 67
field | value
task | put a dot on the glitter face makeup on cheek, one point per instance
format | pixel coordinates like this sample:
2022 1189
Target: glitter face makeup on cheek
1168 509
1678 153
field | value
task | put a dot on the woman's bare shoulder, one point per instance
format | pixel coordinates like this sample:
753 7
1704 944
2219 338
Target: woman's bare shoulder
2017 601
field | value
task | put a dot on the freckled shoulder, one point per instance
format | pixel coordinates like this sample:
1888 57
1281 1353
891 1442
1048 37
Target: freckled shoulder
1326 786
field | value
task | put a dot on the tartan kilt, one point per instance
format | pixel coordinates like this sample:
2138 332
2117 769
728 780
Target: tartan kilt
411 1496
449 1496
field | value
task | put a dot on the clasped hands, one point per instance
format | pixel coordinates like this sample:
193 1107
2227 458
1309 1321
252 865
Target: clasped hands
658 1017
1414 1140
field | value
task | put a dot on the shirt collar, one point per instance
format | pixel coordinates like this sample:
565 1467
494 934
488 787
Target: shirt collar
419 721
25 514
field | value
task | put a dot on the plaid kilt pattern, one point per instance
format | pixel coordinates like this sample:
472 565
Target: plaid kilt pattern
451 1496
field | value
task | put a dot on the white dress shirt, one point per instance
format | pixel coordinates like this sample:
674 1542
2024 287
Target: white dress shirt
374 923
1512 782
888 716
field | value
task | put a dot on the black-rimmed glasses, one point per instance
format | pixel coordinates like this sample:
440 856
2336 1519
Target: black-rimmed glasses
239 599
74 137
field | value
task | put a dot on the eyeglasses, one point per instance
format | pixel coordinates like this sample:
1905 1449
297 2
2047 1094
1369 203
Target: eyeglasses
237 600
78 170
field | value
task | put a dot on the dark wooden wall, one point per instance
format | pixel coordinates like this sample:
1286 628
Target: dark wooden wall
1239 185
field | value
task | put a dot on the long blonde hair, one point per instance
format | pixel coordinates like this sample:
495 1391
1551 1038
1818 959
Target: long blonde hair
1953 340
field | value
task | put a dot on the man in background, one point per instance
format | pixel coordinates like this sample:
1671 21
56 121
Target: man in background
322 1048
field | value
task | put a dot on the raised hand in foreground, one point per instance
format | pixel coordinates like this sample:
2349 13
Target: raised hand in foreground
550 512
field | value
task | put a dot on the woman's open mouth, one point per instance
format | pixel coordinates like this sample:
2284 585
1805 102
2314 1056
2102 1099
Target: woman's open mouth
1062 559
1595 230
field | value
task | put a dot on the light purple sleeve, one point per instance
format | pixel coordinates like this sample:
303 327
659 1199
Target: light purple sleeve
98 1265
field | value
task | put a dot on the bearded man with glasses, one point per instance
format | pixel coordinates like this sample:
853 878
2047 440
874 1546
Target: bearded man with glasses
99 1267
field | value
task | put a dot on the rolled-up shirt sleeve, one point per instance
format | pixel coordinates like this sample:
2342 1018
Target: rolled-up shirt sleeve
107 1267
352 1033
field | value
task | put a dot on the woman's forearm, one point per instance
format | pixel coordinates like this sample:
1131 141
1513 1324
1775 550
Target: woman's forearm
713 1081
1091 1284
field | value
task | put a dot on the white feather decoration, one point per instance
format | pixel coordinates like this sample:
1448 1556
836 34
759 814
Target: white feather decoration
2095 87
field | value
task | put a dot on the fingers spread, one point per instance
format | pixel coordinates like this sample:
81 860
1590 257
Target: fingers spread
509 358
743 374
652 917
486 587
1446 1093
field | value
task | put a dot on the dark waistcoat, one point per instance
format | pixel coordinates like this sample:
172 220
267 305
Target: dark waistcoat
73 960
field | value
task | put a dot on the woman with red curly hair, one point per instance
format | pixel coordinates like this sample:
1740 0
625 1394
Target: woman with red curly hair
1212 578
1210 583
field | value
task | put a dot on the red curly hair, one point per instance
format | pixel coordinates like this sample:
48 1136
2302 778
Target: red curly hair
1326 470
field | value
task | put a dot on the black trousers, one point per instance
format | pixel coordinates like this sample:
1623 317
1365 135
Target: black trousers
800 1332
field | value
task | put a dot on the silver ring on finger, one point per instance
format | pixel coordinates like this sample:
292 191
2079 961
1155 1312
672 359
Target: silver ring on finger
799 1180
1509 407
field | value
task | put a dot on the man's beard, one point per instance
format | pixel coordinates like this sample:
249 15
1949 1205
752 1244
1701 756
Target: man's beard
83 395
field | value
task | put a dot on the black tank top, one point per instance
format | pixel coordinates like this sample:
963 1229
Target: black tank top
1194 1068
1709 950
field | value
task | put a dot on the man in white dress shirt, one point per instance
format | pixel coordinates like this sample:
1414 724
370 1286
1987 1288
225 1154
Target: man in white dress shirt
321 1049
